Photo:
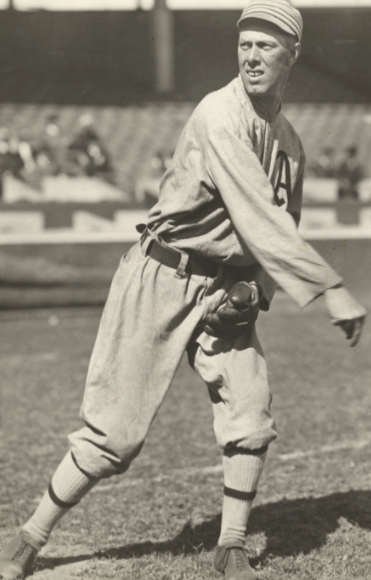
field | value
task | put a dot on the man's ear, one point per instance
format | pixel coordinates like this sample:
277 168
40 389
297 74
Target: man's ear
295 51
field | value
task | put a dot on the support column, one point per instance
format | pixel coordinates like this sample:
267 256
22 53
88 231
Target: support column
163 33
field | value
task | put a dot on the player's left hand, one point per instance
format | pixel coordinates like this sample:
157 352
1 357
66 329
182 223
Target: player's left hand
346 312
238 314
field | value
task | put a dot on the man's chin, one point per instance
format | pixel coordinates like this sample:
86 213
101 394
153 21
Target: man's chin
254 88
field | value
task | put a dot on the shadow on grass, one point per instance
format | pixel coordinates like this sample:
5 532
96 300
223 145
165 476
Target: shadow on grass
290 527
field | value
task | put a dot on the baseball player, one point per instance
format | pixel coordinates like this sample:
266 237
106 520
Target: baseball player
221 237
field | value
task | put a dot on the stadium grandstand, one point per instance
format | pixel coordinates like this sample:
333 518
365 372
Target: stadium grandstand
104 61
134 133
136 69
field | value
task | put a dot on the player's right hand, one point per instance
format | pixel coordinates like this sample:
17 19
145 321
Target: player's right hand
238 315
346 312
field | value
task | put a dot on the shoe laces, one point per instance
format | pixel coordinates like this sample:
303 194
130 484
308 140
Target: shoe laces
240 555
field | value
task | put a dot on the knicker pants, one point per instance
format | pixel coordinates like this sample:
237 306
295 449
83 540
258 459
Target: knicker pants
151 317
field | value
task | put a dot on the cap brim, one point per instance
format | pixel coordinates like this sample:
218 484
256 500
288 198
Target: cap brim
273 19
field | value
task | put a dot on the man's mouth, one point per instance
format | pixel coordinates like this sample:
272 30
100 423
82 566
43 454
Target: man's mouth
254 73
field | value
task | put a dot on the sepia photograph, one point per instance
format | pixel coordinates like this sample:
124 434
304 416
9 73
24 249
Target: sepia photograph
185 278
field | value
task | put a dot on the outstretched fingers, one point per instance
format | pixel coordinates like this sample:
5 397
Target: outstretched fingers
353 329
357 331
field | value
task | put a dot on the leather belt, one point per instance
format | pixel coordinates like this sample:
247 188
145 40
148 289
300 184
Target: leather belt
197 265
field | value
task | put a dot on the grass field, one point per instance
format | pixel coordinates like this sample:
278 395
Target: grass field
312 517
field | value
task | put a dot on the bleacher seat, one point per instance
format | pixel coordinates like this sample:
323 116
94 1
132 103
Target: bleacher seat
133 134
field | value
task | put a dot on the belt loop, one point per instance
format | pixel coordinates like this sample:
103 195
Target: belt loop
146 240
181 270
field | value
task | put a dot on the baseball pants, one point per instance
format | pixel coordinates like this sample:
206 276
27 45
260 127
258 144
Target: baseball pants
153 315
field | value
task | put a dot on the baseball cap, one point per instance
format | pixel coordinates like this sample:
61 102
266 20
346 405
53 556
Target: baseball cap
279 12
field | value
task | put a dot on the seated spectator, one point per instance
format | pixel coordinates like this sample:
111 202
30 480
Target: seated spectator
86 155
17 158
49 152
15 162
349 173
26 151
325 166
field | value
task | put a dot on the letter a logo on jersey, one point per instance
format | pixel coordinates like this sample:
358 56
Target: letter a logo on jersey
285 184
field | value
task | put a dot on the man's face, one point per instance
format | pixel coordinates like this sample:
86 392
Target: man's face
265 56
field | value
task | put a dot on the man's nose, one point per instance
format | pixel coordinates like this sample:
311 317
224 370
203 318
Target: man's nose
253 55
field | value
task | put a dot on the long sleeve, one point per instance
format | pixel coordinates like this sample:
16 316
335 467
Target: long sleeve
264 229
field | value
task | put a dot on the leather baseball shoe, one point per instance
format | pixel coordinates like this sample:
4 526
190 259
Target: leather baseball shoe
232 561
17 559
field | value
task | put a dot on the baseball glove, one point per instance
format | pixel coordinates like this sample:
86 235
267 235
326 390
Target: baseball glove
238 315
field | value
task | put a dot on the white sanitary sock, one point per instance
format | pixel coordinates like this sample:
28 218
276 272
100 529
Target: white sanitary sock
242 471
68 486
